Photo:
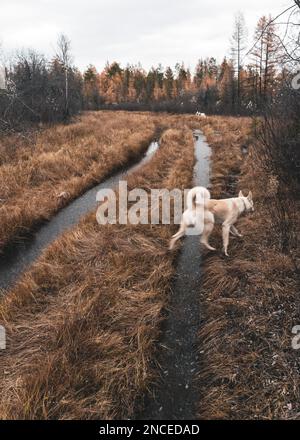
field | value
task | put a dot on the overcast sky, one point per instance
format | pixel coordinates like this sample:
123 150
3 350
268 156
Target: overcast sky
149 31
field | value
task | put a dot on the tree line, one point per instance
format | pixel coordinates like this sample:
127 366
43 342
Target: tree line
37 89
244 83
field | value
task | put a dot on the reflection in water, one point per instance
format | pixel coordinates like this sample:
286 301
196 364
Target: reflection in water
152 148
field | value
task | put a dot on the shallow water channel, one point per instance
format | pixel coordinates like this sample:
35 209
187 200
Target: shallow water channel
175 395
18 257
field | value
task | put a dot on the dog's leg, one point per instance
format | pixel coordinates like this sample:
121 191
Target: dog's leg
225 234
235 231
208 228
177 236
232 232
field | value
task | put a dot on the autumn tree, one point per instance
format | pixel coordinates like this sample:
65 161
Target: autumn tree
199 73
139 83
111 83
265 56
226 86
91 88
181 78
169 83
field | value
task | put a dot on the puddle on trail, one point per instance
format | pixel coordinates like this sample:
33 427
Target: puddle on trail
20 255
175 395
152 148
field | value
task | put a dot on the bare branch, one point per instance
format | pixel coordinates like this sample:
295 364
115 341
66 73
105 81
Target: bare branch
64 50
269 23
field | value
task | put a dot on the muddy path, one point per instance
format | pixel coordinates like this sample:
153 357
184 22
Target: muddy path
175 395
19 256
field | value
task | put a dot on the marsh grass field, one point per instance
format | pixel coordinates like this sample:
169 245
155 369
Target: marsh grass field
66 159
85 320
250 301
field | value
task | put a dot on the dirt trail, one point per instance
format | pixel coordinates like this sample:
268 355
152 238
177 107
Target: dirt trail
175 395
18 257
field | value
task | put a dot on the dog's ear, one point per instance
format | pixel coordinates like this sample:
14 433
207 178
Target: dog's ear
250 197
241 194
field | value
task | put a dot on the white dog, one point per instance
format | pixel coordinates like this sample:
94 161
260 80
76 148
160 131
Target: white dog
202 115
206 211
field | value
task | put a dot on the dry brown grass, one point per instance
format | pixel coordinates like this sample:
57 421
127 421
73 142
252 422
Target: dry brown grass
248 369
82 324
64 158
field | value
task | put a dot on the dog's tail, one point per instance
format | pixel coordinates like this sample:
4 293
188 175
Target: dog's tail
197 197
196 200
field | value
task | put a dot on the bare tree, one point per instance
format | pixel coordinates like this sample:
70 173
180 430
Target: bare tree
238 46
2 69
292 10
266 56
65 58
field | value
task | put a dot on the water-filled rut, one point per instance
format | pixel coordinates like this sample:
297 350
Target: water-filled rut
175 395
18 257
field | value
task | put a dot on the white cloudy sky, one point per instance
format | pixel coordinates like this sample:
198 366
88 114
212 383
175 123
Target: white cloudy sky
152 32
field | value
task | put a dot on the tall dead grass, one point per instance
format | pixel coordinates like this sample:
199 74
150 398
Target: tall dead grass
248 368
83 322
64 158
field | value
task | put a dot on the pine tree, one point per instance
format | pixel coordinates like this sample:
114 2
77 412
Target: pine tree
226 86
169 83
199 74
91 88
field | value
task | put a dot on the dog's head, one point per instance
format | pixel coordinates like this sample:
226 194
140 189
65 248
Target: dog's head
248 201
